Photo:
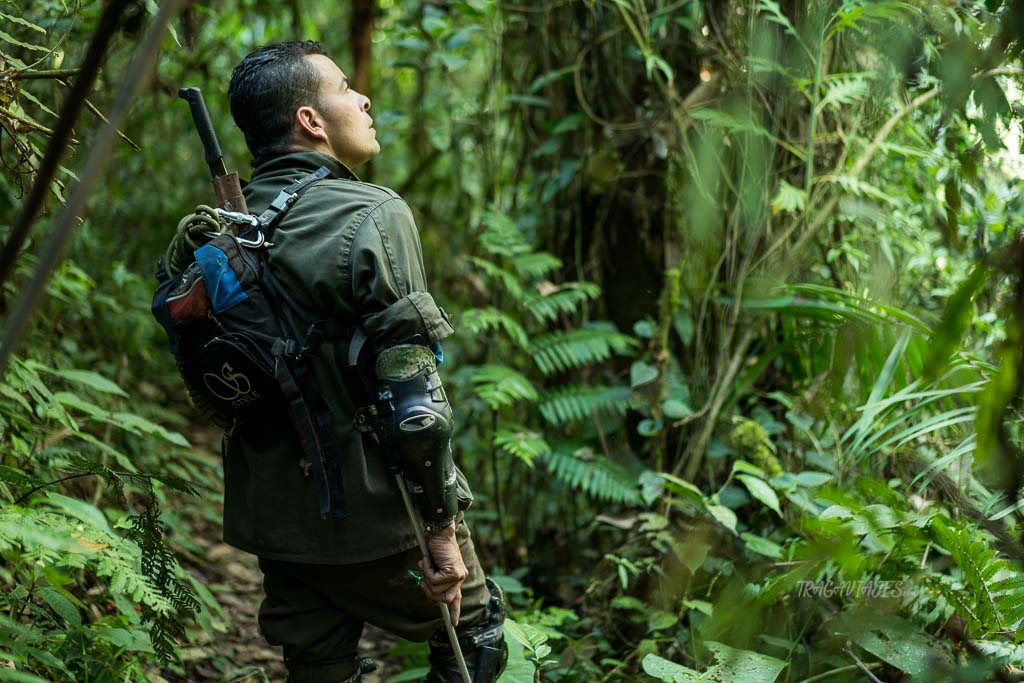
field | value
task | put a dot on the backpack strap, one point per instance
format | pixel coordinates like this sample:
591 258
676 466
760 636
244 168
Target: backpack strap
288 196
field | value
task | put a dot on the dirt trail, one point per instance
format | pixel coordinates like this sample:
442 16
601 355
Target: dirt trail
237 653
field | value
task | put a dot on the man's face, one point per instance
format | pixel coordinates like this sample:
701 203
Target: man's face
349 128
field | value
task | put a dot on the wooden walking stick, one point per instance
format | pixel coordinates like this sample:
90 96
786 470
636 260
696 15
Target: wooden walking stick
446 616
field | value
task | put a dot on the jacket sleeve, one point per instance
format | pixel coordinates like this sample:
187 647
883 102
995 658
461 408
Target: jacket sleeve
389 288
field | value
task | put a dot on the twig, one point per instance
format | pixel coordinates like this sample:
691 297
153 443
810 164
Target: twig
827 676
69 113
25 122
101 117
694 455
862 666
52 254
28 493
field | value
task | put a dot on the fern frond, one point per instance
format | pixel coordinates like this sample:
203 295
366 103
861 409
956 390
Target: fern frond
566 350
496 273
594 475
1009 593
536 264
521 442
575 403
482 320
566 298
501 236
500 386
979 565
18 479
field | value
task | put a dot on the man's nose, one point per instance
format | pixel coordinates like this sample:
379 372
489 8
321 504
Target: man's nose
365 103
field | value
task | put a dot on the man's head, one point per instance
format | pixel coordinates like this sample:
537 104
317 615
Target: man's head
291 96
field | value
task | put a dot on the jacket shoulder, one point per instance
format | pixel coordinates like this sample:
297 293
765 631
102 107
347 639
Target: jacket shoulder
355 190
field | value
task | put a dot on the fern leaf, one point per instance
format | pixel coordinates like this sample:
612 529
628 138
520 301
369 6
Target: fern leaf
536 264
483 320
567 298
845 89
521 442
594 475
501 386
501 236
979 565
496 273
575 403
561 351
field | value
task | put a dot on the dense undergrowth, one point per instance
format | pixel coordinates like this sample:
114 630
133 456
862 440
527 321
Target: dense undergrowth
739 299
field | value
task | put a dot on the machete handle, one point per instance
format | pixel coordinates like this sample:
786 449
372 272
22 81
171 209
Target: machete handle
201 118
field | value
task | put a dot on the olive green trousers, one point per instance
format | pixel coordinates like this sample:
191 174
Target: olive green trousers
316 612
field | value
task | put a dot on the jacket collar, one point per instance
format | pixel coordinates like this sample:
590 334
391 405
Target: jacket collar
303 161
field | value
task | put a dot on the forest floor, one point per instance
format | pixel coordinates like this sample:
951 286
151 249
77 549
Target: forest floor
239 654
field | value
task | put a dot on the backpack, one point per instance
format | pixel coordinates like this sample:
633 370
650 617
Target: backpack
225 327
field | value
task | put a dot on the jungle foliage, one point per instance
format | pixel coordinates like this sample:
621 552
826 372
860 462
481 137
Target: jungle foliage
740 304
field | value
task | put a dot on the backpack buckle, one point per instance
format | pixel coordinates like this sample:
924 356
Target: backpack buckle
286 348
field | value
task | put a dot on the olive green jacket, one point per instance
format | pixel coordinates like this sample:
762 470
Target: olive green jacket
346 250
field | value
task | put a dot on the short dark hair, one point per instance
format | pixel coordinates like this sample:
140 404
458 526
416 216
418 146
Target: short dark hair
267 87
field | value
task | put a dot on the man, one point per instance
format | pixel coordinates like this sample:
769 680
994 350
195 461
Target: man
346 251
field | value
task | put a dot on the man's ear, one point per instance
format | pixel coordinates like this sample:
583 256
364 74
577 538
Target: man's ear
309 124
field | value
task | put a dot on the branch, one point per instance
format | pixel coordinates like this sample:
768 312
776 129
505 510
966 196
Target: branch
60 74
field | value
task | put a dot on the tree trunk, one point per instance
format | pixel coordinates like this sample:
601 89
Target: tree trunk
361 39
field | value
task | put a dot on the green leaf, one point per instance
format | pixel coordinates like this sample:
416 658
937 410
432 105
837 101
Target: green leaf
577 403
415 674
680 486
744 665
60 604
519 669
899 643
499 386
665 670
19 676
744 467
724 515
789 199
641 373
528 636
22 22
8 38
79 509
482 320
760 490
812 480
659 621
550 77
955 321
701 606
762 546
675 410
629 602
93 380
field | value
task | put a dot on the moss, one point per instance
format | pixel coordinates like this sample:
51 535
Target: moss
751 441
